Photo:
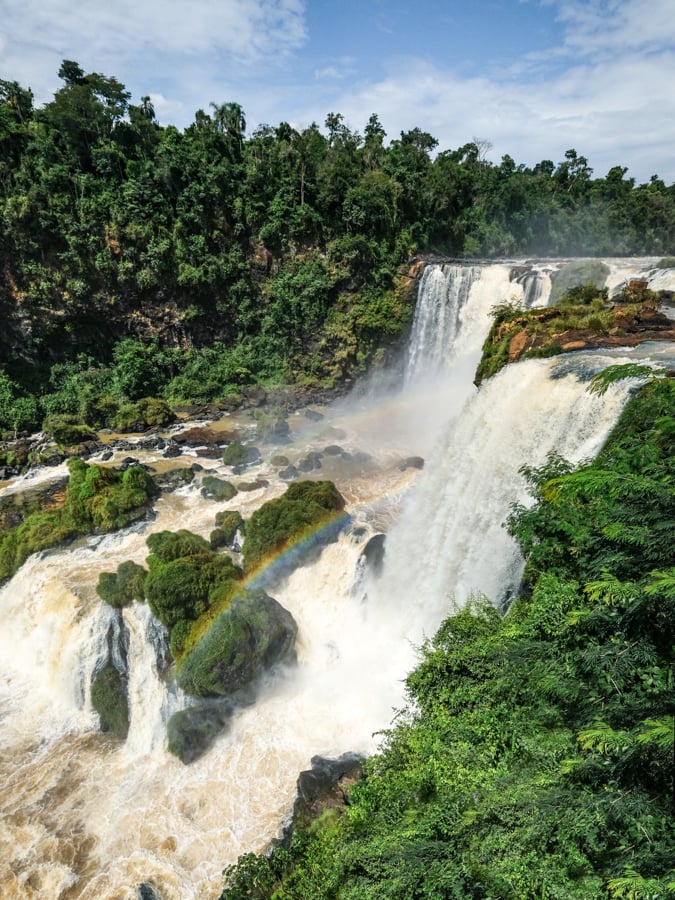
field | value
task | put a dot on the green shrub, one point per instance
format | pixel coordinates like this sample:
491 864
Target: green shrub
109 699
121 588
279 523
67 430
146 413
667 262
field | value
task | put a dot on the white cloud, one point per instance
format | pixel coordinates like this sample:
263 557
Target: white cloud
128 35
619 113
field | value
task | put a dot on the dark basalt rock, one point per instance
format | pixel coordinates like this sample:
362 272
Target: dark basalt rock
174 479
55 459
290 473
373 553
209 452
145 891
200 437
313 416
310 463
171 451
325 786
333 450
192 731
252 485
411 462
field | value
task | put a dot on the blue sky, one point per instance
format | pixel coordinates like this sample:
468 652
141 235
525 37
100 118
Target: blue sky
531 77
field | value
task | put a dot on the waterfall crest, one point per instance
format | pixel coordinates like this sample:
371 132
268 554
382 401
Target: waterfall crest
452 313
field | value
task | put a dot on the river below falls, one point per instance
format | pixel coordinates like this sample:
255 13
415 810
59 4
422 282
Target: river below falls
85 816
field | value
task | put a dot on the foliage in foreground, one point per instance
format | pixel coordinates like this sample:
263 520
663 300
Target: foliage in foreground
535 756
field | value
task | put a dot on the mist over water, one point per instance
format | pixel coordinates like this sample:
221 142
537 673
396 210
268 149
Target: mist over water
88 817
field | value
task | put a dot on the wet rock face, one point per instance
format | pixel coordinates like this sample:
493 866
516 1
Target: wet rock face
325 786
373 554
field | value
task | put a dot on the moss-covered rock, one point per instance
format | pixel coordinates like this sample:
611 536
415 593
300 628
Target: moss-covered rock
237 454
251 636
230 521
122 587
96 500
217 488
305 508
583 319
191 731
109 699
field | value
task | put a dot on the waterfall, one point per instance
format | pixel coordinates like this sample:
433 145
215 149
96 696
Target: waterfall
452 314
450 541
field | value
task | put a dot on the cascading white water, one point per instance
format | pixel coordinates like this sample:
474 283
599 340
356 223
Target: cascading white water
451 533
453 307
86 817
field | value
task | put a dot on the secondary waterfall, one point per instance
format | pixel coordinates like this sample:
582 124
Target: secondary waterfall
453 306
89 818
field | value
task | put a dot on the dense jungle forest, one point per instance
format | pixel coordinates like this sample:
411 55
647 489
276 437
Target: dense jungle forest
139 261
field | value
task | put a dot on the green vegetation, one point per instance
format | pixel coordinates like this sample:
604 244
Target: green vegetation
97 500
251 635
122 587
142 414
109 699
582 313
67 430
189 265
279 524
534 758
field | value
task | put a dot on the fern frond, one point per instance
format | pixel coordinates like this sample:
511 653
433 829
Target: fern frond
600 383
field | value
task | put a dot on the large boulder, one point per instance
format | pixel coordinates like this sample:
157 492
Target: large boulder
325 786
252 635
192 731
